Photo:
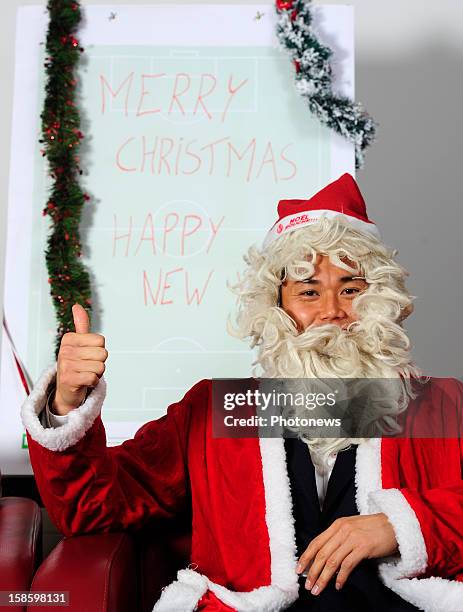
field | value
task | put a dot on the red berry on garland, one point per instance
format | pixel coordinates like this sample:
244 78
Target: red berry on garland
284 5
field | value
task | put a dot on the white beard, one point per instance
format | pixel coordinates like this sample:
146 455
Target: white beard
371 348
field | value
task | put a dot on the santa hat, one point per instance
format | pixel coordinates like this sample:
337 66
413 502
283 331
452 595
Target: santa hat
342 197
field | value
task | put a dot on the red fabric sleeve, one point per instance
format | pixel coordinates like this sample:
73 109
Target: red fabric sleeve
209 602
90 487
440 515
426 506
439 509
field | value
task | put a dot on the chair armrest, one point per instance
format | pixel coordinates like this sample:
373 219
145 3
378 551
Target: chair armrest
99 572
20 542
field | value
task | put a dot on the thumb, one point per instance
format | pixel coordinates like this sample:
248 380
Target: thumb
81 321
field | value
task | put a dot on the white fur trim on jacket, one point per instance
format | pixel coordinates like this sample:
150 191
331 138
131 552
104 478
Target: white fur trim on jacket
413 558
429 594
80 419
184 594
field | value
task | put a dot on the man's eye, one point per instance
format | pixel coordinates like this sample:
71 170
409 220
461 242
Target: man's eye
349 290
352 289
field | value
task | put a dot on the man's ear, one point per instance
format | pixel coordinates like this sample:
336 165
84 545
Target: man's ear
406 312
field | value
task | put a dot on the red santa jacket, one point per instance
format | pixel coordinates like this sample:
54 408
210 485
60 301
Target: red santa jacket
243 537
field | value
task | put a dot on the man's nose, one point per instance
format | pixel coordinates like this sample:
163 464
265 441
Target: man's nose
330 308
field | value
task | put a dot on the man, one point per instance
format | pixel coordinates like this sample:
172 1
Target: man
293 524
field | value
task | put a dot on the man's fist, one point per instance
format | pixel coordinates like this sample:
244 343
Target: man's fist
81 360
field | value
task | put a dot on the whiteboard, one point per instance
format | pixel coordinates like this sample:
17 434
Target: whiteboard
192 135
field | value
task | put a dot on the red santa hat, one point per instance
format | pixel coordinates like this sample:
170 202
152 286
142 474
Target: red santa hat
342 197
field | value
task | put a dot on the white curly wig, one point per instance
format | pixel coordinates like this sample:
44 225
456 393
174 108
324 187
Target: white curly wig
374 346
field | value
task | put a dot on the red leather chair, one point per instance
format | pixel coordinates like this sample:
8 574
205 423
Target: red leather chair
116 572
20 543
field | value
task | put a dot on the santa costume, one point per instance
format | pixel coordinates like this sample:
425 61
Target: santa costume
252 507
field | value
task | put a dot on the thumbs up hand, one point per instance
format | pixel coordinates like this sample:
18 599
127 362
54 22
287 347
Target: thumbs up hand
81 360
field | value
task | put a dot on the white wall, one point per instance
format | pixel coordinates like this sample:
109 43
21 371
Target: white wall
408 74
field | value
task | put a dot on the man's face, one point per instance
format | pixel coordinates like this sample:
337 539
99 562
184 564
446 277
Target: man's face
324 298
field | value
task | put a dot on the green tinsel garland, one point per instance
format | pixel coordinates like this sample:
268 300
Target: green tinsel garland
314 77
61 136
